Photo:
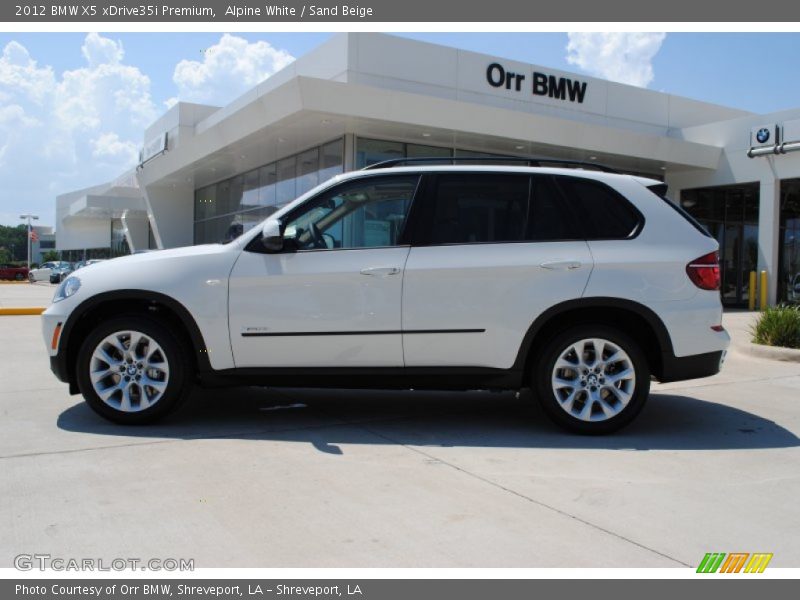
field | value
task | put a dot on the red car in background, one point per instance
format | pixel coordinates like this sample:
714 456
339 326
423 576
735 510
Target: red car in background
12 272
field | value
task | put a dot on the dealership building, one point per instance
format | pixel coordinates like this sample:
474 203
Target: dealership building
208 173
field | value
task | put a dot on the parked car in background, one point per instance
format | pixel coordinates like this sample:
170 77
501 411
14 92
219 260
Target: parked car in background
60 273
14 273
43 272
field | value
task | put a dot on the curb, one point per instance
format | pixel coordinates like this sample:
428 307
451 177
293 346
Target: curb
13 282
771 352
28 310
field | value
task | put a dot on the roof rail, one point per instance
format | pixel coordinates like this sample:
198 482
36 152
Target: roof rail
529 161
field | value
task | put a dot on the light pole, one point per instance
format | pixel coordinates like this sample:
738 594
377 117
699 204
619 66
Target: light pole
30 218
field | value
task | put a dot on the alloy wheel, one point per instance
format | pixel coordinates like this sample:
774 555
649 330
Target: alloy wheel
129 371
593 379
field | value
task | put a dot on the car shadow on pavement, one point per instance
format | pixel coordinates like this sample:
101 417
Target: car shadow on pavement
327 419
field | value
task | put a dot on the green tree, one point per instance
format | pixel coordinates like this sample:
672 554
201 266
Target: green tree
50 255
5 256
15 240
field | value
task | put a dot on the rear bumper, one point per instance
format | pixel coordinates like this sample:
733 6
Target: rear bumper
680 368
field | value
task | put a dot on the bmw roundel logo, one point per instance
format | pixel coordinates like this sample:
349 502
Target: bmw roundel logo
762 135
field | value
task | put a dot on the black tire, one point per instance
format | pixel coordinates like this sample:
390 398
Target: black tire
175 351
543 371
19 277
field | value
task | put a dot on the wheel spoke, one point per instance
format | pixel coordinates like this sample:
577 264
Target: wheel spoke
564 383
97 376
106 393
619 376
568 402
135 338
126 403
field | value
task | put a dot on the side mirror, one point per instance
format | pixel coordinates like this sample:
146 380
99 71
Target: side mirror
272 236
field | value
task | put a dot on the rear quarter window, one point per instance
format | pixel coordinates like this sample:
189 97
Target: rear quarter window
603 212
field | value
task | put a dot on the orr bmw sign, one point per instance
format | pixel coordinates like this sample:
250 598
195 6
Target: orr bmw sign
540 84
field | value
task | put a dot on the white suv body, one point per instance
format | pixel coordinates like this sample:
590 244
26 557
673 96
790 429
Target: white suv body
445 277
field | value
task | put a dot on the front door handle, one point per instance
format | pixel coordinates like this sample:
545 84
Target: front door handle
380 271
562 265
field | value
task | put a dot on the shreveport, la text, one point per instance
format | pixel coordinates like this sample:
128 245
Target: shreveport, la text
168 589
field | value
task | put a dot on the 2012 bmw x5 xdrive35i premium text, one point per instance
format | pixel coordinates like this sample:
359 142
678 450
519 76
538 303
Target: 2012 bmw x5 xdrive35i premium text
579 284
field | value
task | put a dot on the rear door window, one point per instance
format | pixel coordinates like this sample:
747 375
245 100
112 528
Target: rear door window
603 212
475 208
550 218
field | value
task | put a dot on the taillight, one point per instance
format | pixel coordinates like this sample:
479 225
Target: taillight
704 271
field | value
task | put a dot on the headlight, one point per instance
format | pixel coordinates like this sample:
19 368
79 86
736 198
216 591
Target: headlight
67 288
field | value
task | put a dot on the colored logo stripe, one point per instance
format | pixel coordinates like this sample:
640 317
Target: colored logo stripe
711 562
735 561
758 562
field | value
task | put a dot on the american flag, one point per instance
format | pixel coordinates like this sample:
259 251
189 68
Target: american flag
34 236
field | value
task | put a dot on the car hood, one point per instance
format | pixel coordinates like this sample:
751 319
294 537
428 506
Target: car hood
173 272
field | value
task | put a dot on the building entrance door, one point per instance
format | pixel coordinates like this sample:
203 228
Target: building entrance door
730 214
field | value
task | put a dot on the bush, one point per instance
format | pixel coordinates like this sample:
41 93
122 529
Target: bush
778 326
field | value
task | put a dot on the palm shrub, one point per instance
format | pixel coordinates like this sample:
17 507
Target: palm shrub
778 326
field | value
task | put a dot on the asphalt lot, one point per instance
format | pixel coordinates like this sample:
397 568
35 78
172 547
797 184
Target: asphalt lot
251 477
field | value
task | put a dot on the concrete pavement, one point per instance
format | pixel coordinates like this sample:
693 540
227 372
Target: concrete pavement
250 477
13 295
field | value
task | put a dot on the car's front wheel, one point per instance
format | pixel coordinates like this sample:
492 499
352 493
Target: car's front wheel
133 370
19 277
592 379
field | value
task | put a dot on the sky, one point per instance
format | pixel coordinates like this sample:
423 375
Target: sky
73 107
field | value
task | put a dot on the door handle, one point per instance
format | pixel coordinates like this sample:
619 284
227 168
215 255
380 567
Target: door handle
561 265
380 271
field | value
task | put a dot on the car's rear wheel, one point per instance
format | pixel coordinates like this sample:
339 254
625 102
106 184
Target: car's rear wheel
19 276
592 379
133 370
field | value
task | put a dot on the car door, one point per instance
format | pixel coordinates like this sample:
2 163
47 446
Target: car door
496 250
331 298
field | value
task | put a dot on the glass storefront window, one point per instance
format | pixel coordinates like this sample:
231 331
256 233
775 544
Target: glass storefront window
369 152
230 207
287 178
331 160
268 179
251 190
205 202
307 171
730 214
119 243
789 243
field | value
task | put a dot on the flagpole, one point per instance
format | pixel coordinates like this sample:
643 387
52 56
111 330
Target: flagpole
29 217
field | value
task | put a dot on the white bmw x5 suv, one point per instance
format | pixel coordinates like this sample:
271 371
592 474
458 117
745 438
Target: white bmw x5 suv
577 283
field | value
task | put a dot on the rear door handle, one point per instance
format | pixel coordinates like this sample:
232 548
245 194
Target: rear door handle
380 271
561 265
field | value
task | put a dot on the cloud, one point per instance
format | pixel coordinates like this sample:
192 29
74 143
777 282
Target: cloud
60 132
105 90
21 75
228 69
622 57
98 50
108 145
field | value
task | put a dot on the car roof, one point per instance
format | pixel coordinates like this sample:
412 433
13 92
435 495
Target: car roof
568 171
